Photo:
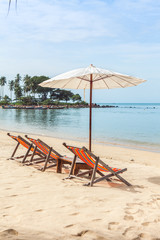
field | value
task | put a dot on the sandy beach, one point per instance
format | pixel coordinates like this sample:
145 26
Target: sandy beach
41 205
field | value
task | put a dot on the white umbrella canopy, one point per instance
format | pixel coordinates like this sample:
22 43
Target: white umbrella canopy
91 78
101 79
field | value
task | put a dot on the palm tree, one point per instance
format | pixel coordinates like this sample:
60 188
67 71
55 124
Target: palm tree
27 84
17 80
2 84
17 87
11 87
18 92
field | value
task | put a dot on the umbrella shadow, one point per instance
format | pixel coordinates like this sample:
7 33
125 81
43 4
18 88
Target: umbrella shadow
132 188
155 180
107 184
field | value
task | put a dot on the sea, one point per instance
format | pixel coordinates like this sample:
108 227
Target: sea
131 125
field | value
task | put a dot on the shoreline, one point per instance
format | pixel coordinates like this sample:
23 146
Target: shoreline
111 151
99 142
60 106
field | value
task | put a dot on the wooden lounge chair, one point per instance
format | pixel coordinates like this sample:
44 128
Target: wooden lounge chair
53 158
97 166
29 146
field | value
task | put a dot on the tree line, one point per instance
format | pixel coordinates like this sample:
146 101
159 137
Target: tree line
25 91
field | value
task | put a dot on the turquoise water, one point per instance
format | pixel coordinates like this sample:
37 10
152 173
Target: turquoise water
132 125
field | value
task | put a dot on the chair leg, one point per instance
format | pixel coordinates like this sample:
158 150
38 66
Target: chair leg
35 149
47 158
74 169
72 166
15 150
123 180
94 172
102 175
27 153
114 174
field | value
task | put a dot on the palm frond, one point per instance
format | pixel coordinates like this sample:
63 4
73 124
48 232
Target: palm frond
16 4
9 5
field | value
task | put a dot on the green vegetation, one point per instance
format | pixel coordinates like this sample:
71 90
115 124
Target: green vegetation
5 101
2 84
26 91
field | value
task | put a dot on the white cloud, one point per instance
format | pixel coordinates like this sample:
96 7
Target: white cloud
57 21
78 20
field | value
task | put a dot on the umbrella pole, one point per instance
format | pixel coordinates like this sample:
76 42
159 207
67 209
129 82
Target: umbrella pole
90 114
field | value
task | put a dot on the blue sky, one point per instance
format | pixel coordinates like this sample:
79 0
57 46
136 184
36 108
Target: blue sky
50 37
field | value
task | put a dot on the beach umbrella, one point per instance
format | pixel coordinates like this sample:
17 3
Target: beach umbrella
91 78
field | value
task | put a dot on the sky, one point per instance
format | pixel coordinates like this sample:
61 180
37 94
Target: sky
50 37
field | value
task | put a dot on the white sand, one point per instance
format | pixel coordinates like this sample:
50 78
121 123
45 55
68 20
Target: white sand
41 205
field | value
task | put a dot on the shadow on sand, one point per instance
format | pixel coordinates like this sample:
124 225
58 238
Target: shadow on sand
155 180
